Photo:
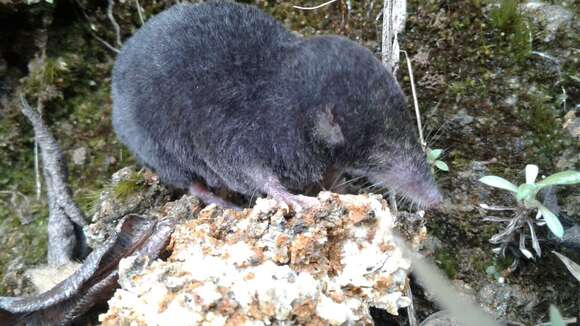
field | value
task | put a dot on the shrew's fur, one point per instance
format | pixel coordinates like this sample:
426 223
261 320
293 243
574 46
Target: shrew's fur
222 93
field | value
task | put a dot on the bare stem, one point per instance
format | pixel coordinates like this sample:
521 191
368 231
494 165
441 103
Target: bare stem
415 101
315 7
114 22
140 12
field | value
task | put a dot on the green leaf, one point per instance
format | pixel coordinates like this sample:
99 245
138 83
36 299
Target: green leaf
552 221
441 165
434 154
490 270
561 178
572 267
527 192
555 317
499 182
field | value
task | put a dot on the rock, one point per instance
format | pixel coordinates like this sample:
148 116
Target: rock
261 266
45 277
79 156
130 192
511 100
502 300
571 237
572 124
550 17
462 118
440 318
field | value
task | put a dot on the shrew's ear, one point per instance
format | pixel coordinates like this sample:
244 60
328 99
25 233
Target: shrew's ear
326 129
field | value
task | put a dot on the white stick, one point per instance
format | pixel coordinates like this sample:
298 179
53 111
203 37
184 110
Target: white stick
315 7
114 22
415 101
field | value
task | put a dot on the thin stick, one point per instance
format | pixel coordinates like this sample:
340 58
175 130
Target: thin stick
411 309
105 43
140 12
114 22
37 180
37 171
415 101
315 7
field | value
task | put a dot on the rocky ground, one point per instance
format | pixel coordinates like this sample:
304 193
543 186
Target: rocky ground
498 88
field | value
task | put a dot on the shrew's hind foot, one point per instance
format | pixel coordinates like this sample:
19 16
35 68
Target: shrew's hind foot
297 202
200 191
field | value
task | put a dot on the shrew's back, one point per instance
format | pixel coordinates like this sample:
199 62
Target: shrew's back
186 69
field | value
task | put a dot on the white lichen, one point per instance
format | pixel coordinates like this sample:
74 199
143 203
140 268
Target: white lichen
326 265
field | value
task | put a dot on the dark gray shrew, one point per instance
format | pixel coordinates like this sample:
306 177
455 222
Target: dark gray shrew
221 95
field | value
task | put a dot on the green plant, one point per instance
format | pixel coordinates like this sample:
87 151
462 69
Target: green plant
514 27
432 158
127 187
555 317
492 271
525 195
572 267
506 17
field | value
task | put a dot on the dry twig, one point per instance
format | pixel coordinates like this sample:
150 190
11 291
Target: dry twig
315 7
114 22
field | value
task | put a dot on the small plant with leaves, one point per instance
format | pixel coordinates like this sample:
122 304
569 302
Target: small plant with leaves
433 159
527 205
555 317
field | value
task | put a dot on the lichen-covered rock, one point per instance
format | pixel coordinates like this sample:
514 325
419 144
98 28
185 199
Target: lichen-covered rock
130 192
324 266
550 17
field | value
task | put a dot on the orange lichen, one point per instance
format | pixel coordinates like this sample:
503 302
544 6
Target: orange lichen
282 240
226 306
236 319
357 213
337 297
334 254
165 302
255 312
304 311
383 283
386 247
249 276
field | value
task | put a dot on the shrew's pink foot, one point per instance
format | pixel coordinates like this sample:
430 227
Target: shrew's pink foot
200 191
297 202
272 186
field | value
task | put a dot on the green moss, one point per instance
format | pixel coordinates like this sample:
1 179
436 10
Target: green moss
87 199
515 37
506 17
479 262
447 261
126 187
27 242
540 114
521 41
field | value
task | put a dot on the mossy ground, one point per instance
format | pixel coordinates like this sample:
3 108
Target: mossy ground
467 55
